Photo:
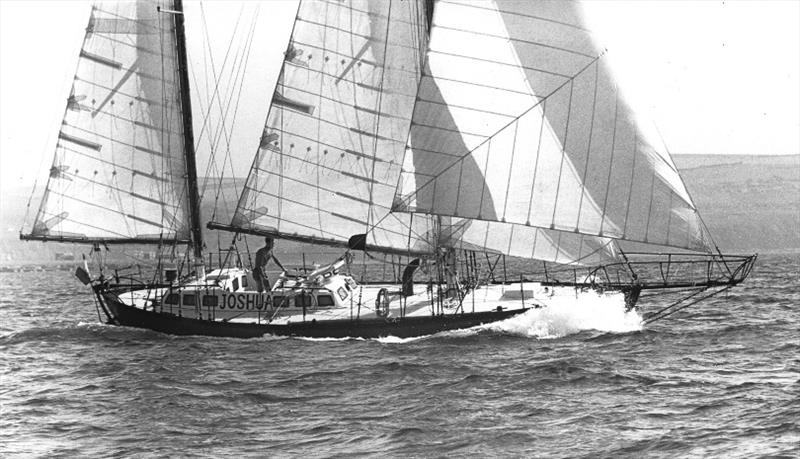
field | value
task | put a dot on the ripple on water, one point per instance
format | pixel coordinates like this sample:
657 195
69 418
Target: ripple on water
720 379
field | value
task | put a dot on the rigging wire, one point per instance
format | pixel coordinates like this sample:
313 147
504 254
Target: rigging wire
217 78
228 157
686 188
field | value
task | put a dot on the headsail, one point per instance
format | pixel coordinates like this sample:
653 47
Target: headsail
519 121
119 171
528 242
332 147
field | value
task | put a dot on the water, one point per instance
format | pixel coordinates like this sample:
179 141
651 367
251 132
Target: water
721 379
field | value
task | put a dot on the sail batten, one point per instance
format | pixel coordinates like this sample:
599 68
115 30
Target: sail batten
80 142
344 105
312 186
101 60
120 166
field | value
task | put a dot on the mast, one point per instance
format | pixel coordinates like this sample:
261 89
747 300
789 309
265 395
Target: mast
188 135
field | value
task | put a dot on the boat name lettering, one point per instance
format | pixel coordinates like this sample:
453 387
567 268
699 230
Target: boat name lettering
245 301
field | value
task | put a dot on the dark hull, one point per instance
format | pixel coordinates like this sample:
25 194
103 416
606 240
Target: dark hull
362 328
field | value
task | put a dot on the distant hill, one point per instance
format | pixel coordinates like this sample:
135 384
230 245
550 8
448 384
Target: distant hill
750 203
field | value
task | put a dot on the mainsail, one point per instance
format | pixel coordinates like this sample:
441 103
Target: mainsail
333 144
518 121
120 171
504 132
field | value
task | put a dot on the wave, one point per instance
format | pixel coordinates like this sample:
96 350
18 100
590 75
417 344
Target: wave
563 316
569 315
78 332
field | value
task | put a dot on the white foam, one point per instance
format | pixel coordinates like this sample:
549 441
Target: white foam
564 314
569 314
397 340
308 338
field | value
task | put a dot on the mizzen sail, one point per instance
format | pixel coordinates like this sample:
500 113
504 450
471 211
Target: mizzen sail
119 171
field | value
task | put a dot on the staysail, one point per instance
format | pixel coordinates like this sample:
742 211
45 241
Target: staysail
119 171
518 121
333 144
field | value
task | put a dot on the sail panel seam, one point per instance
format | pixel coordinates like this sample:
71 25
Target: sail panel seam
536 163
506 64
472 83
351 33
588 148
563 151
513 13
341 149
343 127
123 214
373 64
110 139
464 107
141 49
310 184
538 103
322 73
171 206
320 230
611 162
516 40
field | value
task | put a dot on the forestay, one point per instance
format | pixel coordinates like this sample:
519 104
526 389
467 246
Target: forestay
519 121
332 147
119 168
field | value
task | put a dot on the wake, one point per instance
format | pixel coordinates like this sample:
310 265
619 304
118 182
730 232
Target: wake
570 314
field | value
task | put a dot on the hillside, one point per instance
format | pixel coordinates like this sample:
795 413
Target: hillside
750 203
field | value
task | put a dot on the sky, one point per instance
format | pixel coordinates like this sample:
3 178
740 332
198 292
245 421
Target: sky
716 77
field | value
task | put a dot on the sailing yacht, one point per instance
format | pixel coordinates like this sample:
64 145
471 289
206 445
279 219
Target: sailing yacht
438 133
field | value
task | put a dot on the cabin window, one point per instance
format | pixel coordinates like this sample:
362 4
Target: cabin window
244 282
188 300
277 301
351 283
325 300
302 300
172 298
210 300
236 284
342 293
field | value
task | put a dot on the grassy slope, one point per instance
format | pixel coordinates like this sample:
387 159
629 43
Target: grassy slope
750 203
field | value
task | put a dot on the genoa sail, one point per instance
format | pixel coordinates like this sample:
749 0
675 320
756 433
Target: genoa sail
333 144
528 242
518 121
119 170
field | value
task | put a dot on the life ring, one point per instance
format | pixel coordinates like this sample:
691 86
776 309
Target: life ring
382 303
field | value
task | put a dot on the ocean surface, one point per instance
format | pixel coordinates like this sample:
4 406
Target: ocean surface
721 379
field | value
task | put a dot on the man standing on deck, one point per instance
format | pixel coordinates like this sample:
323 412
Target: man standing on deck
263 256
